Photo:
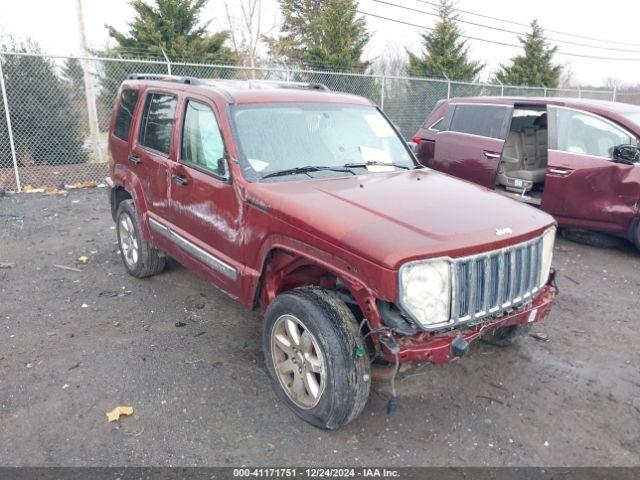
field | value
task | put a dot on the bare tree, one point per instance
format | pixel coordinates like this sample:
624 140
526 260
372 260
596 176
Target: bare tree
246 27
393 62
567 77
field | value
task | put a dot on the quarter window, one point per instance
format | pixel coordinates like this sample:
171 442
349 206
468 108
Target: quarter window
587 134
157 122
482 120
128 100
202 144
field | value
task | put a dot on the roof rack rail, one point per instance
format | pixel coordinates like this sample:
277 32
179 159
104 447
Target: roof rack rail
285 84
164 78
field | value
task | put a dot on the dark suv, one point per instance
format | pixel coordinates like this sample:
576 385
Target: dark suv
307 206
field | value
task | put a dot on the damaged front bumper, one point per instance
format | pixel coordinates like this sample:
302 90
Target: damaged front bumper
437 347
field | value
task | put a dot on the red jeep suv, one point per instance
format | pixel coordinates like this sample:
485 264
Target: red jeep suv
307 206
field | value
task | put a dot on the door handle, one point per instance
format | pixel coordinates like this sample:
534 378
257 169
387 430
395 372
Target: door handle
563 172
491 154
179 179
134 159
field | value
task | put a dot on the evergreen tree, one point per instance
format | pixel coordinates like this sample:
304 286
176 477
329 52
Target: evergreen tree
321 34
535 68
45 127
73 76
172 26
445 53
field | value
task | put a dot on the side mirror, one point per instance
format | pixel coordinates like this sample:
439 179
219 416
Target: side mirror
627 154
413 146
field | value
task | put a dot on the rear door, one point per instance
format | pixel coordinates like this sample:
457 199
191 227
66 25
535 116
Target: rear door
469 144
584 187
152 153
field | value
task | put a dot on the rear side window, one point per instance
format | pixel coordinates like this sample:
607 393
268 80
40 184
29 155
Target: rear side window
202 144
157 122
482 120
128 101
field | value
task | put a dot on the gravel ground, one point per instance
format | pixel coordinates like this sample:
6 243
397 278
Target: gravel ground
74 345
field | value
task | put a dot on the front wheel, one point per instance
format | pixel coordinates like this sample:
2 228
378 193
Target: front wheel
315 357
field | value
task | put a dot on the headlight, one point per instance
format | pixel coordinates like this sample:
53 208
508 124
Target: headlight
425 291
548 240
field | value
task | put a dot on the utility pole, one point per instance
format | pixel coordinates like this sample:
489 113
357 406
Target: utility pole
90 93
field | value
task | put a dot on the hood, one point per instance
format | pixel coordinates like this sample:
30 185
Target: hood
393 217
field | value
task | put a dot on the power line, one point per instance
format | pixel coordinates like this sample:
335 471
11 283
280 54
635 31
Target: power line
568 42
584 37
570 54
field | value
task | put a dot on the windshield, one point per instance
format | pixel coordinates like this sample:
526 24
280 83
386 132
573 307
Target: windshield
280 137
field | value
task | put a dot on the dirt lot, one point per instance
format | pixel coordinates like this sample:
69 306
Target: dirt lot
72 348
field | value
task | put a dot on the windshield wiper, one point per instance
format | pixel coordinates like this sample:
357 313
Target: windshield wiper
376 163
306 169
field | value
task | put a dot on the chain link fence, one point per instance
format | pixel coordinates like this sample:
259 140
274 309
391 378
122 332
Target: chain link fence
54 117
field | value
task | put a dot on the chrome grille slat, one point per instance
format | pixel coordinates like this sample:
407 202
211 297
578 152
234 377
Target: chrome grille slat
487 283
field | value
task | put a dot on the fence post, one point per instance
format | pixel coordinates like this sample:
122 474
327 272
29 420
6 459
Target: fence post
545 90
615 91
168 62
501 87
579 93
382 87
5 100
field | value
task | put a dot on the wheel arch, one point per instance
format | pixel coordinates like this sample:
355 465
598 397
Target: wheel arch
129 187
291 264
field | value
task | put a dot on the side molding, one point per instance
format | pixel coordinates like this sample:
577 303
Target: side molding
205 257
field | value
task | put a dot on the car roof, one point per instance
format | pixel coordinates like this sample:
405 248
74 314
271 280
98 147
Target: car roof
587 104
252 91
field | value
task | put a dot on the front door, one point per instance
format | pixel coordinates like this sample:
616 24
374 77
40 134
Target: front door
205 211
470 144
584 187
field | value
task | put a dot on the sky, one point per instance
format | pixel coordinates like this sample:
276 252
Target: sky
53 25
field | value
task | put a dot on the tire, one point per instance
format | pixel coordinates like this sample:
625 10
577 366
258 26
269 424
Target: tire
505 336
147 261
330 350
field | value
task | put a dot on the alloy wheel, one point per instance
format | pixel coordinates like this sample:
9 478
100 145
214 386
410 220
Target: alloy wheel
298 361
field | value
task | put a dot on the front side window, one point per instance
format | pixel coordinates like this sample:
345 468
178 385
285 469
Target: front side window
279 137
587 134
127 105
482 120
157 122
202 144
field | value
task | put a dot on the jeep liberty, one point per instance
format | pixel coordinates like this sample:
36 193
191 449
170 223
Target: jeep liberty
308 207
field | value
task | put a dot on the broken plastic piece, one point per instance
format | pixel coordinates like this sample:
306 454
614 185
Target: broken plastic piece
83 259
115 414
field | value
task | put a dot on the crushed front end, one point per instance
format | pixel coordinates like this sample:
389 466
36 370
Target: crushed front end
446 303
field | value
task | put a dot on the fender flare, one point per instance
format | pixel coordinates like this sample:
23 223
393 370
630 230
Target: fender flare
364 295
129 181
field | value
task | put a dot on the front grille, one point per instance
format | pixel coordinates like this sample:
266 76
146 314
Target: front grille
491 282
